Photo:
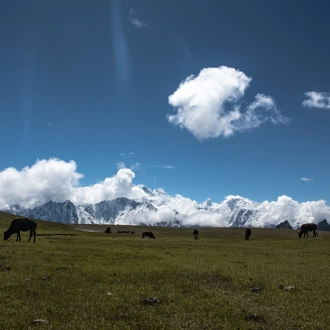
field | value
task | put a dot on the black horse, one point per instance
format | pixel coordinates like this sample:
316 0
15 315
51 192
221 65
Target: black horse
148 234
248 233
18 225
195 234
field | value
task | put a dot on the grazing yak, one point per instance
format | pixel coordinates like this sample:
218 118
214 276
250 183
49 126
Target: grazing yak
108 230
248 233
148 234
18 225
195 234
306 227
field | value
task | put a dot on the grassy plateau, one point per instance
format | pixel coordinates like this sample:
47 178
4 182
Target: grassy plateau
78 277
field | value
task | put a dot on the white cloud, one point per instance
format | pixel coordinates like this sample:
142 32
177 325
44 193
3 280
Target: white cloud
51 179
135 21
57 180
208 105
317 100
120 165
162 166
306 179
129 154
252 118
138 23
267 213
285 208
136 166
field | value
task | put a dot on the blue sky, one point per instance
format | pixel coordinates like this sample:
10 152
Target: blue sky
201 98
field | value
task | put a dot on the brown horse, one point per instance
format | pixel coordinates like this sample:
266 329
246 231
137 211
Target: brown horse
306 227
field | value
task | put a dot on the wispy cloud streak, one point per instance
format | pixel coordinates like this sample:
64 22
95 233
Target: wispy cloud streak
306 179
135 21
163 166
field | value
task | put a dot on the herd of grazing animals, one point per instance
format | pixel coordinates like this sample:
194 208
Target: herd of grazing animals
18 225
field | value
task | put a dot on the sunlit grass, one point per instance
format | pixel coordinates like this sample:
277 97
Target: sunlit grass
91 280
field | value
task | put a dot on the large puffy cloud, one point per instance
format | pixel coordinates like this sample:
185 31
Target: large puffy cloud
285 208
57 180
317 100
208 105
46 180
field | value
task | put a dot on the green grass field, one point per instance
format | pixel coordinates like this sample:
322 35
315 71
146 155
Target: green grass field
80 279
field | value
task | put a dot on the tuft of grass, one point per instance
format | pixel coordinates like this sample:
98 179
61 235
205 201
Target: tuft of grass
78 279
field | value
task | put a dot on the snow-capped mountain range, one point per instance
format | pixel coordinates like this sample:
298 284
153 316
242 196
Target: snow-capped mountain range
157 209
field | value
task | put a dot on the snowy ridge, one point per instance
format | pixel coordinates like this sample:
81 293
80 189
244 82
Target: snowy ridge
157 208
157 212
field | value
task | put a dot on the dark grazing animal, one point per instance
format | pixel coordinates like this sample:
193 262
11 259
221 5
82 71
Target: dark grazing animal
306 227
148 234
108 230
248 233
195 234
18 225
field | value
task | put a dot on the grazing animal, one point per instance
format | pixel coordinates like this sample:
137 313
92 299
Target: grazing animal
18 225
248 233
108 230
195 233
148 234
306 227
132 232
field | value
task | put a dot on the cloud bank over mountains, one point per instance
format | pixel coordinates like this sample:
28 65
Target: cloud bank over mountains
209 105
57 180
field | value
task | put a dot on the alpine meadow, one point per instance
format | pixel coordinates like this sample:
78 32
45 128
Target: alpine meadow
79 277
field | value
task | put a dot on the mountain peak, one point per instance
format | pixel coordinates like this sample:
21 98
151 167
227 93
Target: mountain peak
285 225
146 190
